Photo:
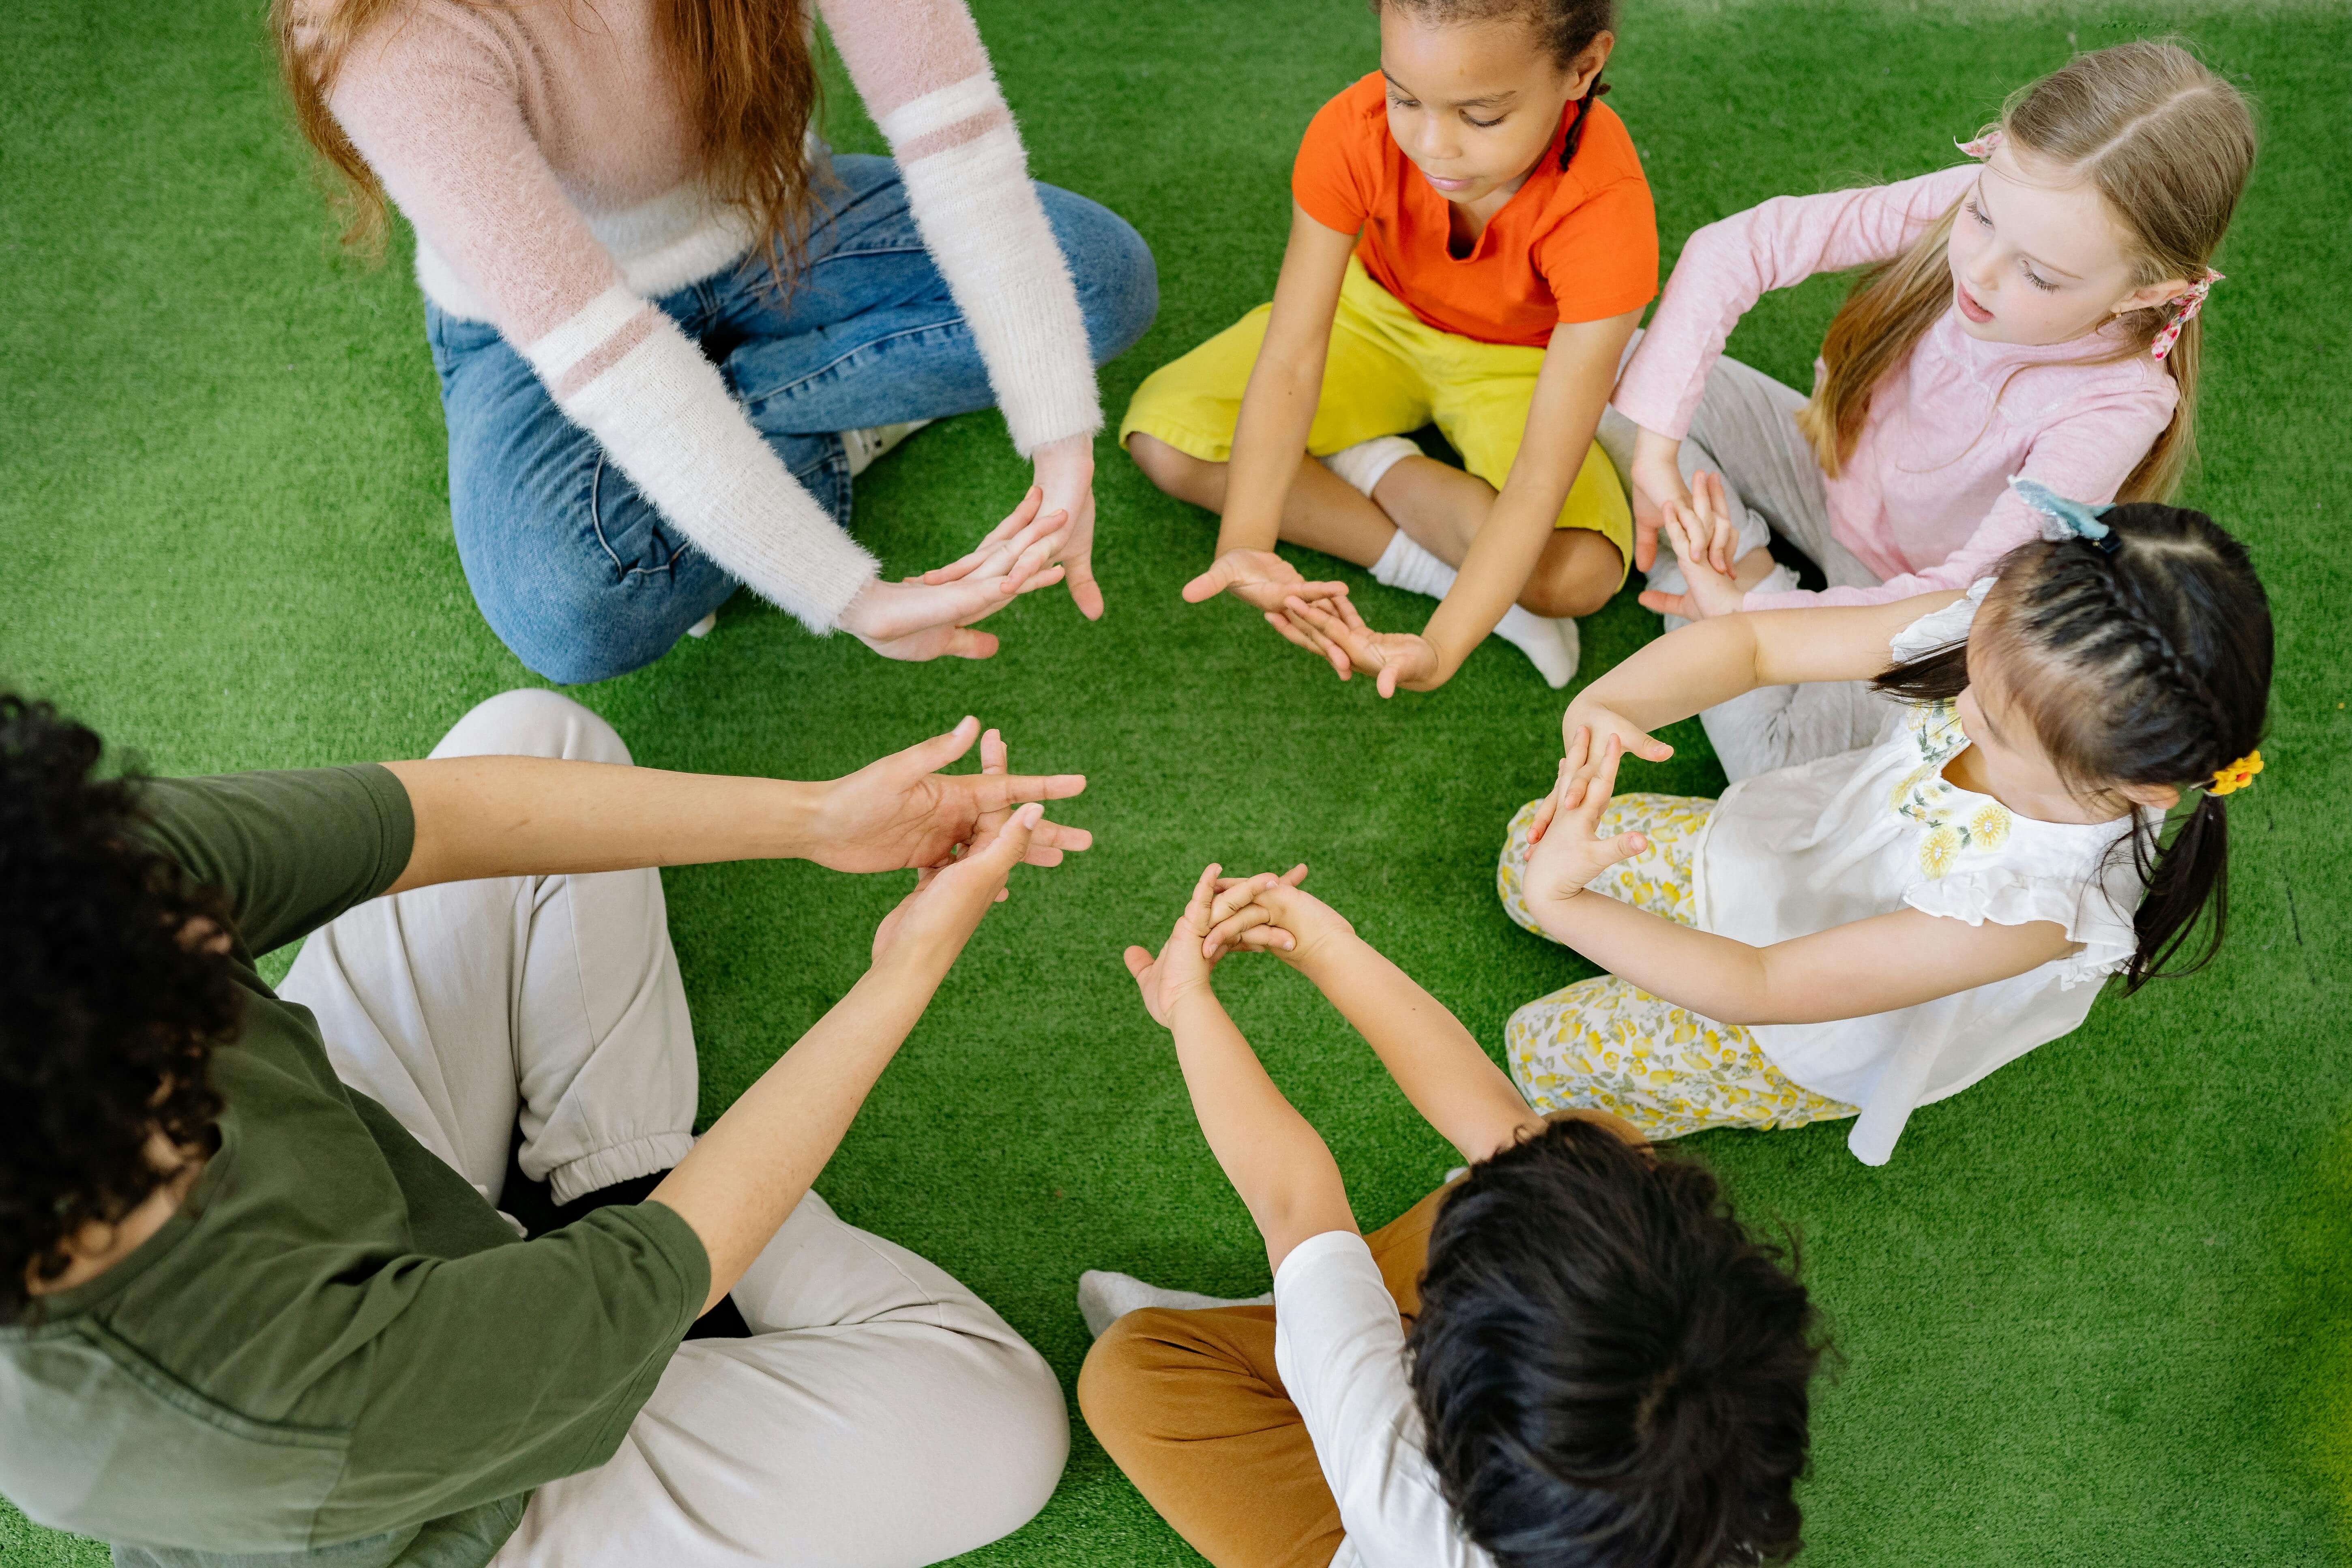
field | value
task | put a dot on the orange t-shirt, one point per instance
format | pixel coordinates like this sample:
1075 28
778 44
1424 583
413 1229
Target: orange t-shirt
1578 244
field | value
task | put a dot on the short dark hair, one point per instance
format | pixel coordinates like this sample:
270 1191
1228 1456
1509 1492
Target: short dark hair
115 1001
1611 1372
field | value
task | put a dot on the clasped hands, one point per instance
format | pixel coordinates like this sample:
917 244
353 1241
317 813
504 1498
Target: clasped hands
1263 914
1320 618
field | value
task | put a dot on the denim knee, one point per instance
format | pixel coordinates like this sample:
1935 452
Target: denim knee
1117 280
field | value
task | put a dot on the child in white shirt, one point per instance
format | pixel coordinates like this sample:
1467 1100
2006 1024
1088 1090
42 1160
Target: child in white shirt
1597 1365
1880 929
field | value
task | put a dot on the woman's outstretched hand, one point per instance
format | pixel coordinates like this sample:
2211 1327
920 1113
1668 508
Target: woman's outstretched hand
1702 535
1564 851
930 925
931 617
901 811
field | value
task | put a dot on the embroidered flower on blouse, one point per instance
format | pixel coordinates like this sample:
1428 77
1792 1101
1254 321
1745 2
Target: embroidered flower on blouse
1942 849
1924 796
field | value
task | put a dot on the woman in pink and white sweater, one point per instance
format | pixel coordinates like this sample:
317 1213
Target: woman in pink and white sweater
670 327
2032 315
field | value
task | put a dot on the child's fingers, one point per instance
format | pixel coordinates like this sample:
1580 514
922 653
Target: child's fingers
1580 751
1196 909
1294 876
1667 604
1266 939
1295 607
1232 895
1138 959
1624 847
1227 932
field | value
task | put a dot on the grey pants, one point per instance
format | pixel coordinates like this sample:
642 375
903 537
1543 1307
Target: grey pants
880 1414
1746 429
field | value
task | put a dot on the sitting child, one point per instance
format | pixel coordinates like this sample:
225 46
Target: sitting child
2034 312
1471 244
1877 930
1595 1366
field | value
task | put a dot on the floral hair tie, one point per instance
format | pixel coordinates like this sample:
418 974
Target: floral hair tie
2185 309
2237 775
2062 520
1983 146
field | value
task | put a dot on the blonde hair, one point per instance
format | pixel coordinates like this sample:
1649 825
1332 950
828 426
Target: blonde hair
2167 143
742 69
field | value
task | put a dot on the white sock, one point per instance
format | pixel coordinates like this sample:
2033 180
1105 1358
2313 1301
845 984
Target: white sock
1362 463
862 446
1104 1298
1553 646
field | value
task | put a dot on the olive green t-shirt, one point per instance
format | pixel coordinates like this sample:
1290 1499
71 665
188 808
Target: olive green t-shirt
335 1352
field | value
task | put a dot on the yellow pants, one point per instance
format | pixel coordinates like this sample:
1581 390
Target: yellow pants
1388 372
1607 1045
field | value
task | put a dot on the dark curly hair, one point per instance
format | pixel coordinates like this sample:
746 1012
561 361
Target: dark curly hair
1611 1372
115 999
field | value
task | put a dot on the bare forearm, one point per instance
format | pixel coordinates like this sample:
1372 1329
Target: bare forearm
1450 1080
1276 1162
1688 670
743 1178
1269 441
1712 975
1495 569
509 816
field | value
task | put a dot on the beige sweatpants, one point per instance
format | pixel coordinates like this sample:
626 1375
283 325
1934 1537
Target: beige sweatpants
1744 428
880 1413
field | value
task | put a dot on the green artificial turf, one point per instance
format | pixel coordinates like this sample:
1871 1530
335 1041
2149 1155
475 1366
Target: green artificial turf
2095 1310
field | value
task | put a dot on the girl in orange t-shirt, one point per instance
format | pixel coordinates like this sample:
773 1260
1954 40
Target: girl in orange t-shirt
1471 244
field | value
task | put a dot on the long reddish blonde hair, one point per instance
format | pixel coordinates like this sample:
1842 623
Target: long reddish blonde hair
2166 142
742 68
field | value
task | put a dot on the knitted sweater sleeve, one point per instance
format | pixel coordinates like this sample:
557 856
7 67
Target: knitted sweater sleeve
1730 264
433 102
925 78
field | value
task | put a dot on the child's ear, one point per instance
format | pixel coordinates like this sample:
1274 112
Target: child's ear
2157 797
1585 70
2153 295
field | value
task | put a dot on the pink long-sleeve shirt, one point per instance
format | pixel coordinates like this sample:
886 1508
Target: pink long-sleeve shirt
1924 500
552 175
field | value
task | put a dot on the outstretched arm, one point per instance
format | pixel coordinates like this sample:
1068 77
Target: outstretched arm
1440 1068
743 1178
1280 1168
1873 965
511 816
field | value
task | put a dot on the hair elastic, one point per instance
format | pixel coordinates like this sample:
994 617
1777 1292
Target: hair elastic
2185 308
2237 775
1983 146
2062 520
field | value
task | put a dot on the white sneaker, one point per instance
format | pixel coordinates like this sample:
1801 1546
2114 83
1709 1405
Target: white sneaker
705 626
865 446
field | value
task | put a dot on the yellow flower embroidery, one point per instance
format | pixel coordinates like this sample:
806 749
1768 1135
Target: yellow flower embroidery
1990 825
1942 847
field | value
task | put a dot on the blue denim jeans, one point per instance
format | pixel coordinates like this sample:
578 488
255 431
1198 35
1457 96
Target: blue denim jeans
575 571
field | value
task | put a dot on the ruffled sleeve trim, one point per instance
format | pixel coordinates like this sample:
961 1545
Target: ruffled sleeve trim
1939 628
2005 898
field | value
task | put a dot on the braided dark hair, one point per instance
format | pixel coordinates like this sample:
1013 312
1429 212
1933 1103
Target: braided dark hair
116 999
2152 658
1565 28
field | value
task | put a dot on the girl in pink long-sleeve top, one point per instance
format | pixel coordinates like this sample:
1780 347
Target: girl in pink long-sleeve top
670 326
2032 314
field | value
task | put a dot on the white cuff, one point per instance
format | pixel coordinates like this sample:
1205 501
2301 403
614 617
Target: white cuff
986 230
665 416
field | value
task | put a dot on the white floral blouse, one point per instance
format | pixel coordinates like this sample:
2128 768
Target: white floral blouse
1827 843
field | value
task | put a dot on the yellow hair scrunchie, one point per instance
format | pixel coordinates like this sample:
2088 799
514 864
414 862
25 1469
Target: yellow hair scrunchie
2237 775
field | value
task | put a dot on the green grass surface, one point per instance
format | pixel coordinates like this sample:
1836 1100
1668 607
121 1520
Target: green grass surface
2095 1310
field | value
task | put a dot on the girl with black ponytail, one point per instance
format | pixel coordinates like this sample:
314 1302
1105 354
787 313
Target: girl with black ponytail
1871 931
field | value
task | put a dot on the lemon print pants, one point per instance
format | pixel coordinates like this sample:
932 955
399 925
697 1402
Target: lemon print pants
1388 372
1604 1043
